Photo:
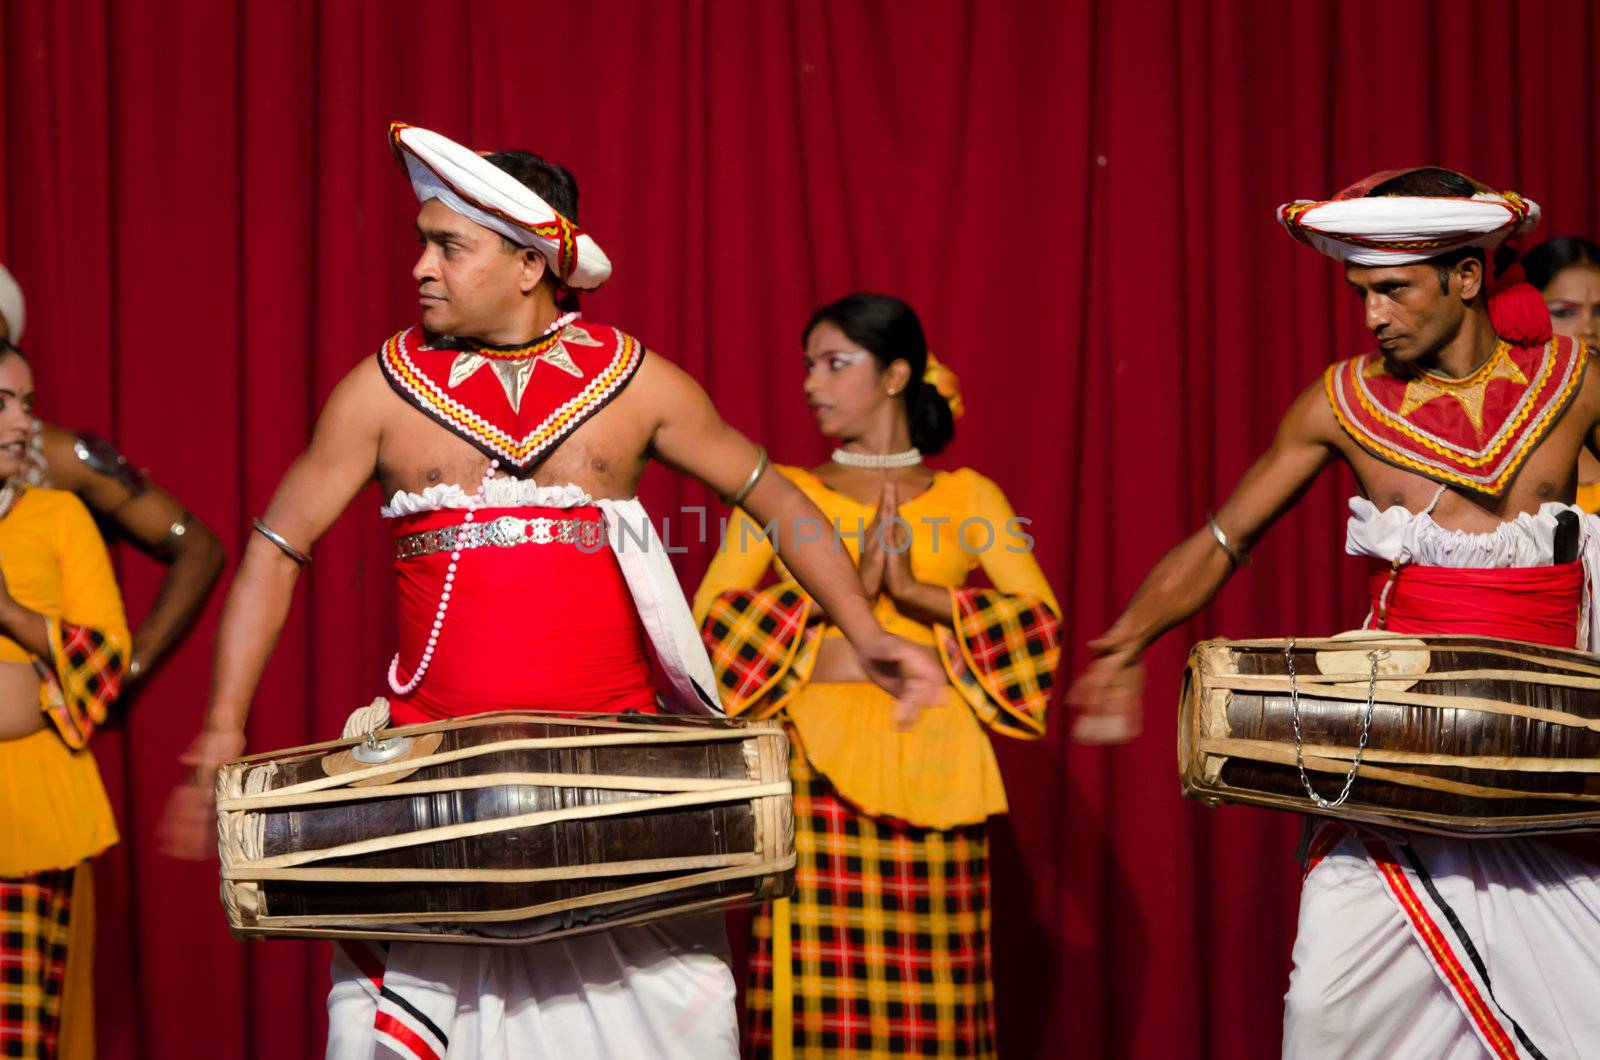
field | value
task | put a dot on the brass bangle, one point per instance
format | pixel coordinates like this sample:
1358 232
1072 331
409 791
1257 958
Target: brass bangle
300 558
762 463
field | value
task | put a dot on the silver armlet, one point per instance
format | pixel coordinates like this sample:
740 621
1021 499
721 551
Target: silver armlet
301 558
1235 557
736 498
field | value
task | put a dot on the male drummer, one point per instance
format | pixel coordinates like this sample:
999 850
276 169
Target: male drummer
1463 429
502 428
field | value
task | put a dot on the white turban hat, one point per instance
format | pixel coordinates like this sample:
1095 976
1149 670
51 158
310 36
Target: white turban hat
481 191
1405 229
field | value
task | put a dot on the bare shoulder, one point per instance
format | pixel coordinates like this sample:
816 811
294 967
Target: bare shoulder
363 387
1310 418
366 378
1588 398
657 373
359 404
667 391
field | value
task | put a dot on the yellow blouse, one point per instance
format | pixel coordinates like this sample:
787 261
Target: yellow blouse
53 808
55 563
940 773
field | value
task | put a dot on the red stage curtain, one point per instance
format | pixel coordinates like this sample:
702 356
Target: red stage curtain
1077 196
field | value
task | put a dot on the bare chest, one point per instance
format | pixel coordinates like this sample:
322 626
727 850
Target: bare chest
1548 475
604 456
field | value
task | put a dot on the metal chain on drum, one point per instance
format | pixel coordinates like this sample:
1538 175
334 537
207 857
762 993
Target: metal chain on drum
1373 657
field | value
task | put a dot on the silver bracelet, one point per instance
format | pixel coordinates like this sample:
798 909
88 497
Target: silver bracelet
1236 557
300 558
762 463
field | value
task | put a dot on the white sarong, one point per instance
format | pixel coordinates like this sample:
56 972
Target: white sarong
1429 948
662 990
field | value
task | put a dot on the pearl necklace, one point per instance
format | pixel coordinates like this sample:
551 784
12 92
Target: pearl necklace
879 461
410 685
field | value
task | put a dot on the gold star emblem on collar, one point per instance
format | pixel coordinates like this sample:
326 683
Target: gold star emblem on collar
1425 388
515 373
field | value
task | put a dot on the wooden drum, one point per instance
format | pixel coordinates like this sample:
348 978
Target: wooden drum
506 828
1467 736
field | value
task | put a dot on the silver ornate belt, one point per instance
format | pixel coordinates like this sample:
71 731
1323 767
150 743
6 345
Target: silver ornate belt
503 532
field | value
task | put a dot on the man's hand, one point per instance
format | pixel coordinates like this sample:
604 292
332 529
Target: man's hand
906 671
1107 696
188 827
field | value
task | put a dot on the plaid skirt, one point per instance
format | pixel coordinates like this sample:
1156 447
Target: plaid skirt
35 929
888 939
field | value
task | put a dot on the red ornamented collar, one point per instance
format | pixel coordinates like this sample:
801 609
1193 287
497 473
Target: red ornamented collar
513 404
1474 432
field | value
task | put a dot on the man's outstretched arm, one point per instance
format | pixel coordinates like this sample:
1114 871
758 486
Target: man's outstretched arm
691 437
313 492
1107 694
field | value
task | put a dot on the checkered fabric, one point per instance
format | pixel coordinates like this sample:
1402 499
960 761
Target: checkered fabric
889 937
754 638
1003 656
83 680
35 917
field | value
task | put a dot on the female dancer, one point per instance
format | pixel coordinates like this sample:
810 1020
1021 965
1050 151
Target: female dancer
1566 271
884 948
63 655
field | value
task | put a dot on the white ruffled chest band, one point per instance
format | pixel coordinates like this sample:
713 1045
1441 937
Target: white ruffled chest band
1526 541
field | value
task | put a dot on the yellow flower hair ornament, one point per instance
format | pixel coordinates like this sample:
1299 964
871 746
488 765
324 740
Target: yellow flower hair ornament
945 382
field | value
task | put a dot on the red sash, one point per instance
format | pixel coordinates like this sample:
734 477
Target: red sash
529 627
515 404
1541 605
1474 432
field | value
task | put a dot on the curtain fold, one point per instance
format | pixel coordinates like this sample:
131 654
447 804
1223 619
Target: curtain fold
1077 197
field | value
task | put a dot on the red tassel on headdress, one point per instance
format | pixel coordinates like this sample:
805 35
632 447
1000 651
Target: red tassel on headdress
1516 308
1519 314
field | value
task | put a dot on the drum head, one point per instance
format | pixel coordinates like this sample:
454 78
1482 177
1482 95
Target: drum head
1407 661
342 762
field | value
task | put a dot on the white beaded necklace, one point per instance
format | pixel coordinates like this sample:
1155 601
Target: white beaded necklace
878 461
410 685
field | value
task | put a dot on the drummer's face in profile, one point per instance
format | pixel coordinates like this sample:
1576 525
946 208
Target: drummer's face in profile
470 281
16 411
1409 309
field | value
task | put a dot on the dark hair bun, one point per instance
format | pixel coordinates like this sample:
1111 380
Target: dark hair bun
929 417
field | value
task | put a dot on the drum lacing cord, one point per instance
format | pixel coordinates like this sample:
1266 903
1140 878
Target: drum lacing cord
1401 559
366 721
1373 658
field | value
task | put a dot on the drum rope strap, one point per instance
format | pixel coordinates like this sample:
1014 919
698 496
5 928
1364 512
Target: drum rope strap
1373 658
